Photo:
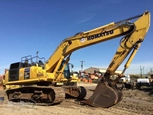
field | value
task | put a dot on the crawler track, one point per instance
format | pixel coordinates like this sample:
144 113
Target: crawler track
39 95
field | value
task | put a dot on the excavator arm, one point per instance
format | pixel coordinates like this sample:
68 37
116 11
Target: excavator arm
130 43
133 32
106 93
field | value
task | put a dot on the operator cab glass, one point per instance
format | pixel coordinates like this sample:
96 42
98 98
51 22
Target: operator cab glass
66 70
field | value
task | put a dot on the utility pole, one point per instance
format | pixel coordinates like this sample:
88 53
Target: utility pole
82 65
151 70
140 71
143 71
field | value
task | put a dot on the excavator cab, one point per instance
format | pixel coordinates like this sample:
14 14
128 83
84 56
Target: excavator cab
66 72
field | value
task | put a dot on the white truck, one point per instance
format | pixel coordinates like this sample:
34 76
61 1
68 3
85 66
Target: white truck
143 82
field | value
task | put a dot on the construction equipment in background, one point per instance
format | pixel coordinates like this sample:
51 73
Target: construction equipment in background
135 84
90 77
147 82
1 82
98 76
127 83
125 79
40 81
3 86
85 77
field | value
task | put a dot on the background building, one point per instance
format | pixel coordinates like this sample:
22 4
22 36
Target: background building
102 70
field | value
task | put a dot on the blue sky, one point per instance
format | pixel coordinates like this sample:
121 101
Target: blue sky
27 26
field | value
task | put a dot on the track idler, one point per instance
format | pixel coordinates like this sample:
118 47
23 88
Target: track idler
78 93
106 94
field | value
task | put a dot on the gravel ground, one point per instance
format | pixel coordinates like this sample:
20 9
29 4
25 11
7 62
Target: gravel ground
135 102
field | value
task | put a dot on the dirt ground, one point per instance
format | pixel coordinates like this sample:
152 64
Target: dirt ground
135 102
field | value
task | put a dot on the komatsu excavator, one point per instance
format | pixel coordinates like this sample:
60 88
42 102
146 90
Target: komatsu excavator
49 82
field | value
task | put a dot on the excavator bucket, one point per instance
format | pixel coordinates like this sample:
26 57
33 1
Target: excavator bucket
105 95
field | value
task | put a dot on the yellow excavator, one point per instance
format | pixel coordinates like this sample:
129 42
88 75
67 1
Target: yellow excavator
48 82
